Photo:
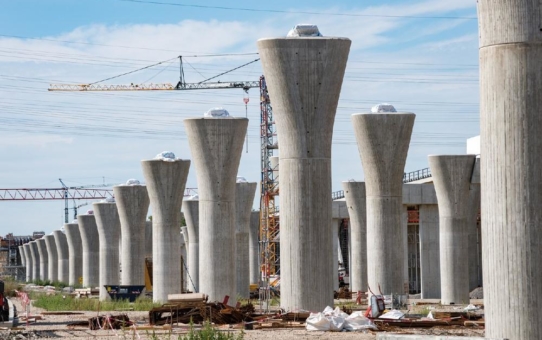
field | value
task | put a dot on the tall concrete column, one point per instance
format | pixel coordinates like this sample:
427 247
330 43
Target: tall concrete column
191 215
185 285
91 250
244 199
52 255
108 225
335 237
216 146
472 227
429 251
21 254
185 251
63 256
29 261
75 249
383 140
511 163
133 205
304 77
166 181
451 176
184 233
354 193
406 257
148 239
35 261
254 249
44 259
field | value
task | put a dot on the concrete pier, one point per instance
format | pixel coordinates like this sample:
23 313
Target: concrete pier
472 228
63 254
108 224
44 259
451 176
191 215
75 246
354 193
166 181
216 146
185 280
254 248
148 239
185 252
29 261
383 141
335 238
511 163
91 250
132 205
304 76
244 199
429 251
35 261
52 255
22 256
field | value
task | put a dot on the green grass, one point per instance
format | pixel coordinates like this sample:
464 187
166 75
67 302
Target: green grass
10 285
207 332
56 284
59 302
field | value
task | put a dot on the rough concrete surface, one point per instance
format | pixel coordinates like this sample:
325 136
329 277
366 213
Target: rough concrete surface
132 205
254 249
108 223
451 176
244 199
429 251
191 216
91 250
52 255
63 253
511 163
354 193
29 261
216 146
383 141
75 246
44 259
165 184
304 78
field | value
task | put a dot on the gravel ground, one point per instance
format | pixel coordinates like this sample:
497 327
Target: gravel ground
55 326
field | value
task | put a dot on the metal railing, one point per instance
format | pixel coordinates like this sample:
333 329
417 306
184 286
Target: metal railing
337 195
416 175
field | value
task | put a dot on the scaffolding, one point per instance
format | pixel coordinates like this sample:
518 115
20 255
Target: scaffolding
269 218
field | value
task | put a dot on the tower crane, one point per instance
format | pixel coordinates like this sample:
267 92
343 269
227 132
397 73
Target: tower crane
67 197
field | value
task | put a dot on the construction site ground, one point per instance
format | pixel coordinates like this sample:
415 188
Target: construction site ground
56 326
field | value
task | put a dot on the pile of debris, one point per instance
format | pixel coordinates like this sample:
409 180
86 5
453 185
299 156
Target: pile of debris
186 308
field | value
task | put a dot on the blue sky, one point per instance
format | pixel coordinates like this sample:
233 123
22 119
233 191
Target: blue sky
423 65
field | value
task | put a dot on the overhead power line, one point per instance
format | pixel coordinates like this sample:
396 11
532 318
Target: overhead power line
297 12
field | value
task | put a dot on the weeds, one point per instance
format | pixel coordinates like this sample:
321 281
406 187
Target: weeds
10 285
59 302
56 284
207 332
